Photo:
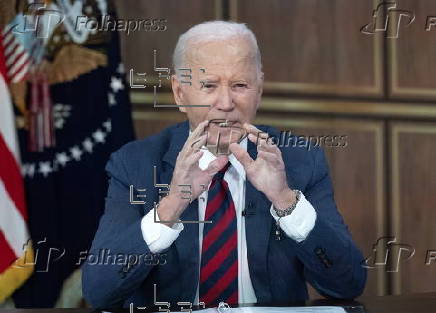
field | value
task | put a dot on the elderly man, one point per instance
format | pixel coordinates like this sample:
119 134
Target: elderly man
243 220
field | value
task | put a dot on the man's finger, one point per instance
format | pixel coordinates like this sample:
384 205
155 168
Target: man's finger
268 156
255 131
199 129
199 142
193 158
259 142
241 155
264 144
216 165
197 132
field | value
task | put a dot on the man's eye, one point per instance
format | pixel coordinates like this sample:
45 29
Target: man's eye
206 85
241 85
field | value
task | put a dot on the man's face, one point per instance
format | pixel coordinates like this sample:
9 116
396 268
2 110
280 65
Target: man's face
229 84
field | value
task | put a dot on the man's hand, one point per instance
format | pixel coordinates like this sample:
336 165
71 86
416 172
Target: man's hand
187 172
267 173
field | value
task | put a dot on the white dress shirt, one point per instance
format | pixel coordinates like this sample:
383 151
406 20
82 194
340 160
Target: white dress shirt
297 225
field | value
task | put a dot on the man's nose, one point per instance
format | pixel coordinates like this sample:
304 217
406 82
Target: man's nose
225 99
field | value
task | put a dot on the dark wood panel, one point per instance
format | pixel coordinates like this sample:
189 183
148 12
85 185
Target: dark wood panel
413 54
137 47
413 204
315 46
148 123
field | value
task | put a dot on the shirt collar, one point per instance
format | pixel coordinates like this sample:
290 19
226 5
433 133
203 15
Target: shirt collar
208 157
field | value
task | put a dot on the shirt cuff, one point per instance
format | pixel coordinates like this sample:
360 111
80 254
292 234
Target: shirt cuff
158 236
300 222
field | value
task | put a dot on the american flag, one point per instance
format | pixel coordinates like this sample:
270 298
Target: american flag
15 255
22 53
17 59
22 49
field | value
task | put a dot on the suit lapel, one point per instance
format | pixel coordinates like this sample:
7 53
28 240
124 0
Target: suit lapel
187 243
258 223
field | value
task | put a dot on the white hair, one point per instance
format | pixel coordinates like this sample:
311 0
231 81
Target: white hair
213 31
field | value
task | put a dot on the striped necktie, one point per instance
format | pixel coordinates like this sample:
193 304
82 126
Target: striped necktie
219 255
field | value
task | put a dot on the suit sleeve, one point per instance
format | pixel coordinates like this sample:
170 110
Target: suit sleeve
332 262
107 283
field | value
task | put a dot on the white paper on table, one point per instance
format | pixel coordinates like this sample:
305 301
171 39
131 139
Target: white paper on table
307 309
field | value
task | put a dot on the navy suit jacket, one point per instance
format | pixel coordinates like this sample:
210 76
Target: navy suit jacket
328 259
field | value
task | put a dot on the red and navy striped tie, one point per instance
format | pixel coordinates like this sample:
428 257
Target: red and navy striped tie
219 255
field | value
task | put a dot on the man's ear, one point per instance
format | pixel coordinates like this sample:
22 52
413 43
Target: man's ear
178 93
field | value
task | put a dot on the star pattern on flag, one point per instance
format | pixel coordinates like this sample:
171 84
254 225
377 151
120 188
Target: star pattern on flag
76 153
108 126
111 99
60 113
99 136
120 69
73 154
62 158
116 84
45 168
28 170
88 145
